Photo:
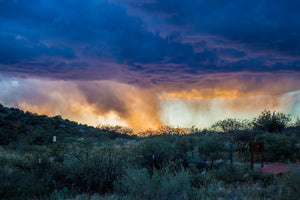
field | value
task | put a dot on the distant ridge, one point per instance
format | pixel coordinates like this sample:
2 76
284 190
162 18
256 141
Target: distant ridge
16 125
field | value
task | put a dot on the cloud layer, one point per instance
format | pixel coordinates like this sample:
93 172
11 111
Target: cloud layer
60 39
138 61
114 103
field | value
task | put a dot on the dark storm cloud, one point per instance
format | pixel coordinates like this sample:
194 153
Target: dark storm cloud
15 49
232 53
270 24
134 40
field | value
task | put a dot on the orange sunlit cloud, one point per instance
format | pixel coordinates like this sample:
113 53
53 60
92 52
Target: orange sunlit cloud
206 93
115 103
107 103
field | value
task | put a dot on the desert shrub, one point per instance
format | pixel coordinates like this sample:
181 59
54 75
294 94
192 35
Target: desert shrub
22 177
39 136
271 122
231 173
231 125
175 186
139 184
201 179
7 134
240 139
279 147
211 148
97 196
36 177
291 183
297 123
93 172
257 186
165 148
187 143
41 178
10 187
2 108
195 160
60 194
256 176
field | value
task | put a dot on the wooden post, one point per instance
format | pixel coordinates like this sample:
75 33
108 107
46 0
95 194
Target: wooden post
262 155
252 161
256 147
231 161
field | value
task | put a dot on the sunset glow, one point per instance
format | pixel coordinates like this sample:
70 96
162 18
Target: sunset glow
144 64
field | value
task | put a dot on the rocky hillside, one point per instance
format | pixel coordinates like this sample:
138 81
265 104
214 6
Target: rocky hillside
17 126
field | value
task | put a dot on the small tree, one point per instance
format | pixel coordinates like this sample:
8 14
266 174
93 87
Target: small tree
231 125
271 121
297 122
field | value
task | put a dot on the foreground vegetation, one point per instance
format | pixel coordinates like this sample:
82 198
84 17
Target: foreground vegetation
94 163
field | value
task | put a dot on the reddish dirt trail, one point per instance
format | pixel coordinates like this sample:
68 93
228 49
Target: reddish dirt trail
278 168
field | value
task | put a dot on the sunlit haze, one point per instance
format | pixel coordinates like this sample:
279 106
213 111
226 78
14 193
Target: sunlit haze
144 64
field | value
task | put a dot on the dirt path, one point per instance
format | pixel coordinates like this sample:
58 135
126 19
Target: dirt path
278 168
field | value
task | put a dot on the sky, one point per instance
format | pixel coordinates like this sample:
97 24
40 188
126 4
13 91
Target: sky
149 63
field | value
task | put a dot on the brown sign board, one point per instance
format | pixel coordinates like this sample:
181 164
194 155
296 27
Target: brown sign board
256 146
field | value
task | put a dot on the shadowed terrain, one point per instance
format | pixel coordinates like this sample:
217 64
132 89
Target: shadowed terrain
168 163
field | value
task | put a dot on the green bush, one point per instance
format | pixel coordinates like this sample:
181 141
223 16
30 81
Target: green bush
279 147
39 136
231 174
10 187
271 122
139 184
211 148
93 172
165 148
24 177
240 139
231 125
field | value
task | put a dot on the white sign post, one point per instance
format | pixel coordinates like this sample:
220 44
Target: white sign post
153 161
54 139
